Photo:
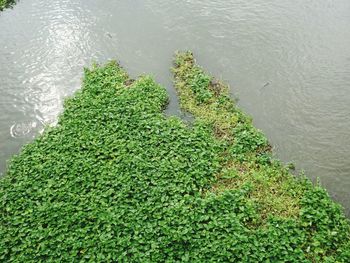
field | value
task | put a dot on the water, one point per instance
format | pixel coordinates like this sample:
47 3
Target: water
287 61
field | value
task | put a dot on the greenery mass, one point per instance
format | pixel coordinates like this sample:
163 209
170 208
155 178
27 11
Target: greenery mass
118 181
6 3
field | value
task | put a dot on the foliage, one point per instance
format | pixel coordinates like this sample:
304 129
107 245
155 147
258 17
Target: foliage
6 3
117 181
246 160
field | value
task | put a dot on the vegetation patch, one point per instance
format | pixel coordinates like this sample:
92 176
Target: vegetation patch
6 3
246 156
117 181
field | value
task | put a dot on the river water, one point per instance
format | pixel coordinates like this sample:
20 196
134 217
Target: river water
288 62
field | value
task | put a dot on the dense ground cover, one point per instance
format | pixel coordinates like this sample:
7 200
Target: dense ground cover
6 3
116 180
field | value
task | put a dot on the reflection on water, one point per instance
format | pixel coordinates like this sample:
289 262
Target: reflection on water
287 61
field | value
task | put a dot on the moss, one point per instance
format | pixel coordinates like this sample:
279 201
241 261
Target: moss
117 181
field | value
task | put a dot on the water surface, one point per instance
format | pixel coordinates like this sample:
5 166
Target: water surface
287 61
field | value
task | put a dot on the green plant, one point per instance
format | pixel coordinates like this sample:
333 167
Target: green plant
6 3
117 181
246 160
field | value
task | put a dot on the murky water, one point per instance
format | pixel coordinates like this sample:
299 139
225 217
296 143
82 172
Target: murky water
287 61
